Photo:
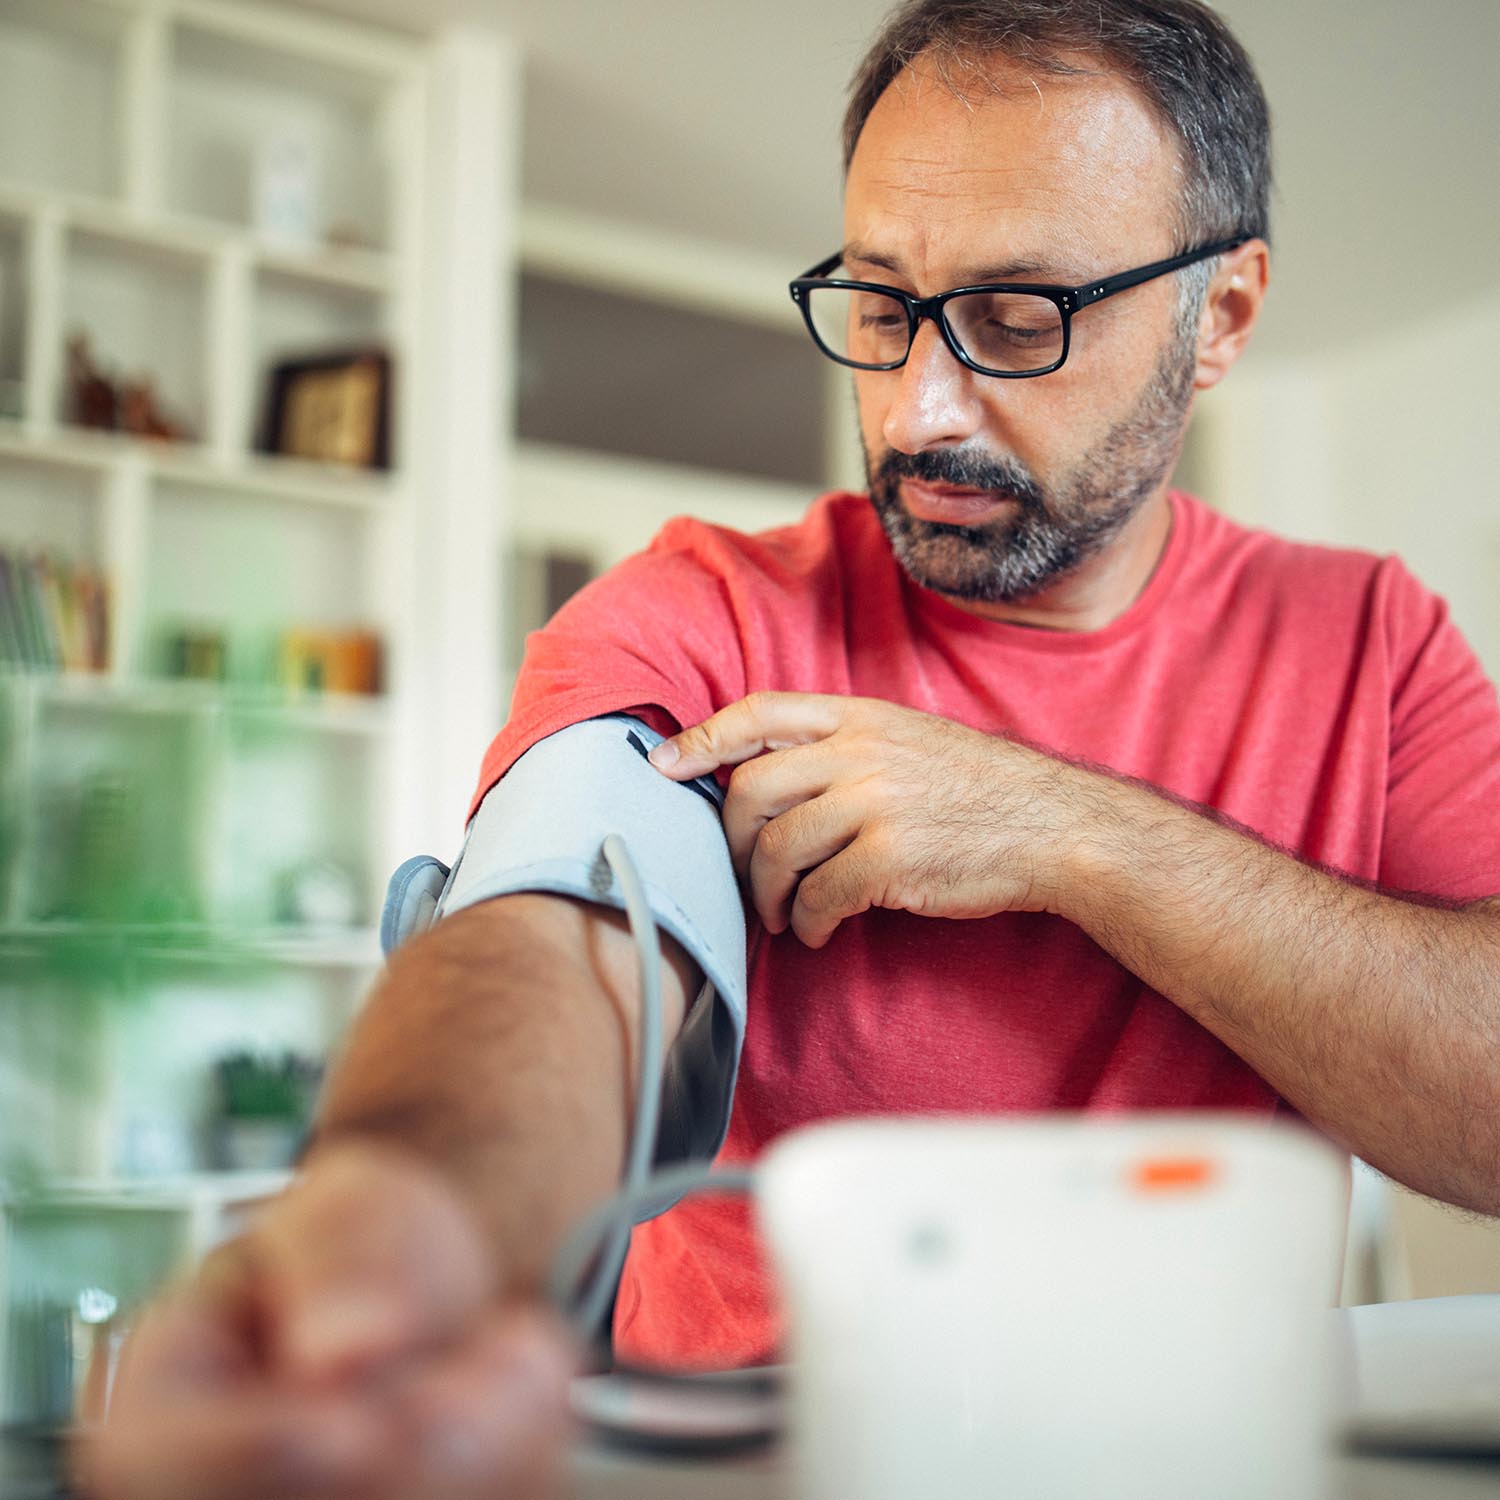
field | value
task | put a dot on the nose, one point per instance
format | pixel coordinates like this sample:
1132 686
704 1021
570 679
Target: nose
935 402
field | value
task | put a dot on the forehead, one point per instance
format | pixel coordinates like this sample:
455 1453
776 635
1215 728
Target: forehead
1069 171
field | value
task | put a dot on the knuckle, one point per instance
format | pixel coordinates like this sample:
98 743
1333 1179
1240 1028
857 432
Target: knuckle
745 778
814 893
774 840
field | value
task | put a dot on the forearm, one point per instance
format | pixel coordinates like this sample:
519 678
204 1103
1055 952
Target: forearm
498 1047
1378 1018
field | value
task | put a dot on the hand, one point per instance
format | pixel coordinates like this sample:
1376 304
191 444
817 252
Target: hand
349 1345
840 804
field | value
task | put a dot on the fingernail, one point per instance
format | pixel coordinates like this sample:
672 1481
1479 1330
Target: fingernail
664 756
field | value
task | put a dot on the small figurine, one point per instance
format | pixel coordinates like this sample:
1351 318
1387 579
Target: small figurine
92 396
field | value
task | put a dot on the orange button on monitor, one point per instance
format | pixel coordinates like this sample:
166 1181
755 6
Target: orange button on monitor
1172 1174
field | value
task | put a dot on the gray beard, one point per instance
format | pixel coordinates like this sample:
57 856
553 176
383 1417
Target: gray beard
1055 529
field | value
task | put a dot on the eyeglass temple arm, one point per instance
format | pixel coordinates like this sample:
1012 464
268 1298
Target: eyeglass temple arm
822 268
1095 290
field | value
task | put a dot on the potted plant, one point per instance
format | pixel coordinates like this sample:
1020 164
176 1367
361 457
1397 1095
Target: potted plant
265 1104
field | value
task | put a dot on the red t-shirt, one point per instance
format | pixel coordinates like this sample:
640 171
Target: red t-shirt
1321 697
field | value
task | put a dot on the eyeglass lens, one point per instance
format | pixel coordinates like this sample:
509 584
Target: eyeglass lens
1010 332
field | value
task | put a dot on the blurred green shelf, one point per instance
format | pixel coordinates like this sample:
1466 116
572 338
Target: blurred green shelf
318 948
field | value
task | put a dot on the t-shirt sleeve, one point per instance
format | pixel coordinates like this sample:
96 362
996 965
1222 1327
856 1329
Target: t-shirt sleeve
1442 829
656 636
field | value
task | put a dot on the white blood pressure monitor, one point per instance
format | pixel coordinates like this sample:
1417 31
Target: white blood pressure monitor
1049 1309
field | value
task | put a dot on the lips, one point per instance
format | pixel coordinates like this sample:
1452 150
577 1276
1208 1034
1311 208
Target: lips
950 504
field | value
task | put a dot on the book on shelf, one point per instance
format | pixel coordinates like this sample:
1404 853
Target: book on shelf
54 616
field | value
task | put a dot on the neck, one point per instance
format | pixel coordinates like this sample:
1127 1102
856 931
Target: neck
1099 591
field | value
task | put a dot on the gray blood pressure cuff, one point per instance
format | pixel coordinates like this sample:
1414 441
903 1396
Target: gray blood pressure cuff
542 828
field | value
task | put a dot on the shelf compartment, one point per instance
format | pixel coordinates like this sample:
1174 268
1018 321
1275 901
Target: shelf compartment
291 800
115 826
297 317
142 304
48 507
54 595
251 566
230 100
60 95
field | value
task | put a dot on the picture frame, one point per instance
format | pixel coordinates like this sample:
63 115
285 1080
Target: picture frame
331 408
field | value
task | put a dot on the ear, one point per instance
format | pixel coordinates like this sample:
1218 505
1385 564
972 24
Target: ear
1230 310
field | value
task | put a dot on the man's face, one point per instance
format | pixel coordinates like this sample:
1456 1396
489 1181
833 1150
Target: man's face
991 490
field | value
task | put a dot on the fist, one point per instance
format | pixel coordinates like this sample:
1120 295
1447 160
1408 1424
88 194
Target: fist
352 1343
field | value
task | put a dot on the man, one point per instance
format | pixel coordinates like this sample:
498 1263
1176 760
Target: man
1052 790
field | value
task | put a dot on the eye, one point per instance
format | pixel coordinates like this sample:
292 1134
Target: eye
1002 328
874 311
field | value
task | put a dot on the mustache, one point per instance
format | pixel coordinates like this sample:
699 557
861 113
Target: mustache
1004 478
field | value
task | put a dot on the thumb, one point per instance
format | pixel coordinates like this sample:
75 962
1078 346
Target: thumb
369 1255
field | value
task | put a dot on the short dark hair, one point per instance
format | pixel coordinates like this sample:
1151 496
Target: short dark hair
1178 53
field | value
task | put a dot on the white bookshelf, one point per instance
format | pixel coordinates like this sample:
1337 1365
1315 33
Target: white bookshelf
129 137
127 212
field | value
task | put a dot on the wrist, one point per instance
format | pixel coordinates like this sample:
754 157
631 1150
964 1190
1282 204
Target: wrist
1088 856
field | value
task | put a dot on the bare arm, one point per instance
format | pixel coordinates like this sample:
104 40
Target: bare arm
500 1046
1377 1017
369 1333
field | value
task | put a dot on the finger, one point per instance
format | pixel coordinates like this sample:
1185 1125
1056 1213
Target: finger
763 721
767 787
489 1418
241 1448
791 845
842 887
368 1257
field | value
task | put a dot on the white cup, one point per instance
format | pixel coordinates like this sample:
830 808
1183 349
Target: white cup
1057 1308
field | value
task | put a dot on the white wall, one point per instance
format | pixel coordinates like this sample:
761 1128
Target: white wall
1416 455
1394 447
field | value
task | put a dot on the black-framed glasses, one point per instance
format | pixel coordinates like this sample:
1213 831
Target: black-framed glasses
1010 329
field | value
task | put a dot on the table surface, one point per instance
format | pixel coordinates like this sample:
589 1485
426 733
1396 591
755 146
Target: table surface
598 1473
28 1471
